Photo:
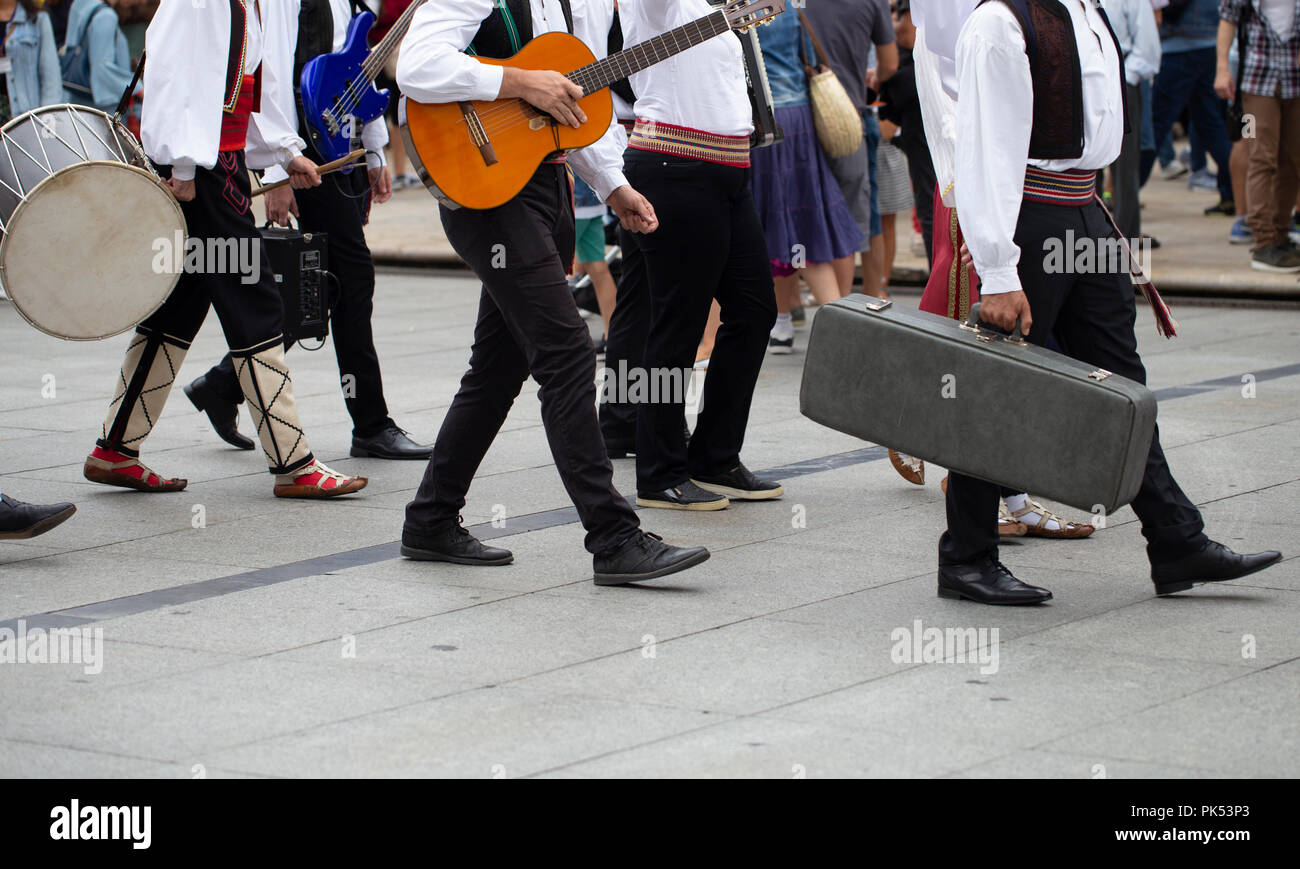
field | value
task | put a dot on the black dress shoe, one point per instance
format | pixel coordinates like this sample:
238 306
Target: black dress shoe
687 496
19 520
645 556
988 582
223 415
452 543
741 484
391 443
1214 563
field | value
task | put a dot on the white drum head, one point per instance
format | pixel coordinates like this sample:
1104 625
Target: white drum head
81 256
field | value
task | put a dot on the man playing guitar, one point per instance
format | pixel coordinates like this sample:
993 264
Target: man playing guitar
527 323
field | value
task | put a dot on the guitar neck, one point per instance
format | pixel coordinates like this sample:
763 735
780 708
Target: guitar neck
622 64
379 55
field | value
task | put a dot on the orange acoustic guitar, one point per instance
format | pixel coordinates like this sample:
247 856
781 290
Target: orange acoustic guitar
481 154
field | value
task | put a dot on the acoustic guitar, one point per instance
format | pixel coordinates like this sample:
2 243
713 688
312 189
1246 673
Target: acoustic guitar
481 154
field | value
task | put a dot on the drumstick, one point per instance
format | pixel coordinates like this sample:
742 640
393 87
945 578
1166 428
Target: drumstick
341 163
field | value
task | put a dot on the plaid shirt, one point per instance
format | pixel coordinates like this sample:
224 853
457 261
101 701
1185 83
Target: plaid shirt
1272 61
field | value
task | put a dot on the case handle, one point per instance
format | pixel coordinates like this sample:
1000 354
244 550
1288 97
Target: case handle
972 324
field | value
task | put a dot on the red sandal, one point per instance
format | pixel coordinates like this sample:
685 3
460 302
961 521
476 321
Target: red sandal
115 469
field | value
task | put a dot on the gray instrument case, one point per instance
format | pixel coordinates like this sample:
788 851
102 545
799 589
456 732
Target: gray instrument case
978 402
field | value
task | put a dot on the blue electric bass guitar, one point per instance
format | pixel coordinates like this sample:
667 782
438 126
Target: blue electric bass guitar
338 90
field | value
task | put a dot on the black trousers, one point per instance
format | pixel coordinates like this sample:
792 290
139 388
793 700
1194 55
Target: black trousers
625 342
709 245
527 324
1127 170
338 208
251 313
1092 318
920 169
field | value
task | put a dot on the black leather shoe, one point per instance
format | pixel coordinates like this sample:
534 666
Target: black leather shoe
223 415
19 520
687 496
391 443
452 543
1214 563
645 556
741 484
988 582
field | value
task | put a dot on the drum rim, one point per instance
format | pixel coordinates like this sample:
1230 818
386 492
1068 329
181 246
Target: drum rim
4 243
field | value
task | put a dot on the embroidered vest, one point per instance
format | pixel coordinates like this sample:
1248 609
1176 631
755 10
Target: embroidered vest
509 28
1057 76
235 61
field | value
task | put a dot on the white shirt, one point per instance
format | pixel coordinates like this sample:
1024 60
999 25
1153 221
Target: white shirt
277 64
702 88
995 111
188 45
942 21
433 68
1135 27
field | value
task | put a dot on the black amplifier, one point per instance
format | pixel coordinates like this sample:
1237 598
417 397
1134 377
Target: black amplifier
300 263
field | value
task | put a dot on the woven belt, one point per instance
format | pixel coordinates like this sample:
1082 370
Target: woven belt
558 158
695 144
1072 187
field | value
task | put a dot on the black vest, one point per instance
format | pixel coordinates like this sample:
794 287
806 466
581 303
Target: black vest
493 38
1058 78
235 55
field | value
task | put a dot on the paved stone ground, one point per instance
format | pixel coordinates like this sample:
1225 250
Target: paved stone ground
289 639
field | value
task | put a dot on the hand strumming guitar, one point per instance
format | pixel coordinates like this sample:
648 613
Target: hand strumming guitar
547 91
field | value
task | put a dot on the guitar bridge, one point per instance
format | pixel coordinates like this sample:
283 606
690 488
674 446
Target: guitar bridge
477 134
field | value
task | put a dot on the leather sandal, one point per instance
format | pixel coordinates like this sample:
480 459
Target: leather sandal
909 468
114 469
1008 525
317 481
1064 531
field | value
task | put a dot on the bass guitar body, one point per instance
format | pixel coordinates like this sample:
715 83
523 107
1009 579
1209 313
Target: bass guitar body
338 99
481 154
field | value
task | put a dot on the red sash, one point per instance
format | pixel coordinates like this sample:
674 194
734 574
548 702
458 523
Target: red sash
234 124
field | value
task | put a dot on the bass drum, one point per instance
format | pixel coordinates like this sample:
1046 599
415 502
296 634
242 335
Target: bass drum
87 228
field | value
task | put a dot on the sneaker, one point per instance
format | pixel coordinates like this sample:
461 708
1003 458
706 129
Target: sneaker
741 484
798 317
1240 233
780 346
1277 259
1224 207
687 496
1175 169
1202 180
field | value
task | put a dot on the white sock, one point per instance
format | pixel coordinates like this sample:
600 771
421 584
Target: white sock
1018 502
784 328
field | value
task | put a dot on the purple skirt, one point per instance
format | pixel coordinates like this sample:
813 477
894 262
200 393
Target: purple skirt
797 197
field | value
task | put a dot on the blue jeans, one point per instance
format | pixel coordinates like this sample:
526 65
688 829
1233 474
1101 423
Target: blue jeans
1186 79
871 128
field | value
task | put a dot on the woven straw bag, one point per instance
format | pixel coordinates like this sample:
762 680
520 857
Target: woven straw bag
839 126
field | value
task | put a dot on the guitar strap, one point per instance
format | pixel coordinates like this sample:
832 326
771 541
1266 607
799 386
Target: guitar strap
516 18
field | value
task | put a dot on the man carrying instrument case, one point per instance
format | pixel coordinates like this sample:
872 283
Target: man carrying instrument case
1026 175
296 32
